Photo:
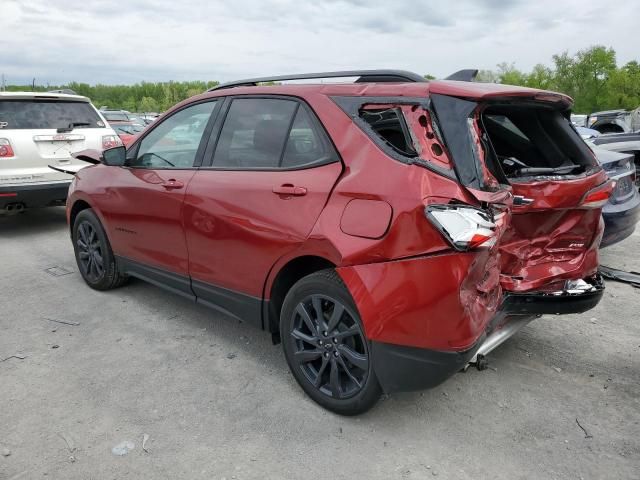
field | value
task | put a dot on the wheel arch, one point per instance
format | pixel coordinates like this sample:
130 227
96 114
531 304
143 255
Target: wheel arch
78 206
282 279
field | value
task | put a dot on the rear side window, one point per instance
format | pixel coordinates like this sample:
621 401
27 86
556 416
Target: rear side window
390 125
265 133
47 114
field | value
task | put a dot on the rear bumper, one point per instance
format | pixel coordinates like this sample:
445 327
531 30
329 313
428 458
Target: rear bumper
407 369
538 303
402 368
620 220
34 195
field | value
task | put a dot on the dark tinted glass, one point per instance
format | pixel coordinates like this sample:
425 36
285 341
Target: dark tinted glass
39 114
306 145
254 133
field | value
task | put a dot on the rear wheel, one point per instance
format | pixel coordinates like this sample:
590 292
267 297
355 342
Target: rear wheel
94 256
325 345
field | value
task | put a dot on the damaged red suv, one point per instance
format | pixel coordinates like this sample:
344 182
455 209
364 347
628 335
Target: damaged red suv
389 231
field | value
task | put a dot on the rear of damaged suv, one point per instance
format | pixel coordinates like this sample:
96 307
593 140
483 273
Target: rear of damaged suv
486 213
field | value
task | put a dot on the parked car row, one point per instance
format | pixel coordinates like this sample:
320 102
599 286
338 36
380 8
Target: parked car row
610 121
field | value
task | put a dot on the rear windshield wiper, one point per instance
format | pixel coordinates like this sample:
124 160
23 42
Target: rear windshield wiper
547 170
71 126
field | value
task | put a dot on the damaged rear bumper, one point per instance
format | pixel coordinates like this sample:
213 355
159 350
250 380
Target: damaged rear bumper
555 303
403 368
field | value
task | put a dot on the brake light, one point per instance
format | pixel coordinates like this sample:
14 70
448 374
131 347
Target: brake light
463 226
5 148
110 141
597 197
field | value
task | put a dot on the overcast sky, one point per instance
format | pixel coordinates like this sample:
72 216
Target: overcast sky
100 41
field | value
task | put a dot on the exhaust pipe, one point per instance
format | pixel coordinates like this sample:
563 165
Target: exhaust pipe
501 334
13 208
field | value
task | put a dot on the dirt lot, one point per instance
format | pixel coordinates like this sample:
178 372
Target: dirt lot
217 401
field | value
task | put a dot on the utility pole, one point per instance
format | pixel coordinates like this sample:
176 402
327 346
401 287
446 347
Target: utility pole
4 86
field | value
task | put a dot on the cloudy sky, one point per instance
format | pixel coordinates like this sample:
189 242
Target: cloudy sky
100 41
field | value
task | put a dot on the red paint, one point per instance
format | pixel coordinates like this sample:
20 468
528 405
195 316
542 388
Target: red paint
237 229
143 218
552 238
366 218
8 194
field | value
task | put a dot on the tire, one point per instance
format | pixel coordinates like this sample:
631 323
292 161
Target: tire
329 359
94 256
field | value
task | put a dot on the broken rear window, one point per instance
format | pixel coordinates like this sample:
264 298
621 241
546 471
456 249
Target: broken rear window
533 141
391 127
409 131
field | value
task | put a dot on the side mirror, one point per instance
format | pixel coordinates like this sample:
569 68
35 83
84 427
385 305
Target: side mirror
114 157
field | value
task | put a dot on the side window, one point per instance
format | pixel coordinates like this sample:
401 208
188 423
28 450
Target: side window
175 141
306 145
390 125
254 133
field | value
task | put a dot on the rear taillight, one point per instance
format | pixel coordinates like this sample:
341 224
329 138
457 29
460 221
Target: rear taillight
5 148
599 196
110 141
463 226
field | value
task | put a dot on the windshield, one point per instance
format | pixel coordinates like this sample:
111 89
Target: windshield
115 116
131 129
41 114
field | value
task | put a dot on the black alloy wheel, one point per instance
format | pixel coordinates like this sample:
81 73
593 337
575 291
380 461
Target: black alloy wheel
90 255
329 346
95 259
325 344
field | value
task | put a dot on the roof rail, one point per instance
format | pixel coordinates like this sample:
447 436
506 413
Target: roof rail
467 75
364 76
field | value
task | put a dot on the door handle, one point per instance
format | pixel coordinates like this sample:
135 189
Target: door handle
290 190
173 184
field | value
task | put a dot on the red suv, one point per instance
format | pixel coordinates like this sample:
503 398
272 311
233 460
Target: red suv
388 231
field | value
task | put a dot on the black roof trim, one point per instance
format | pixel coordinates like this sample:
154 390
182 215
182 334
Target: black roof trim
364 76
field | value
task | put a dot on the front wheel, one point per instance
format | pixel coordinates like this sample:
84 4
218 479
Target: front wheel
94 256
325 345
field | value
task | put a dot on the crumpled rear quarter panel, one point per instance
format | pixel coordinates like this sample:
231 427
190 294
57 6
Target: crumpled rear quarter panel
439 302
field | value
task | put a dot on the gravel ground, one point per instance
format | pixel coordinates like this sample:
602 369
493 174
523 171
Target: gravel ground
217 401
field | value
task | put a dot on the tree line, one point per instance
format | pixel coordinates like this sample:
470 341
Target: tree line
591 76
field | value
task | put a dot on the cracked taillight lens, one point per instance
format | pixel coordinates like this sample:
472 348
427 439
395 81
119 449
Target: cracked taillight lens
464 227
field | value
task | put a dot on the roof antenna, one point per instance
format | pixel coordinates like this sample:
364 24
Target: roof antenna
468 75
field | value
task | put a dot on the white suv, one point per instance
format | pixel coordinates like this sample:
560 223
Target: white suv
39 130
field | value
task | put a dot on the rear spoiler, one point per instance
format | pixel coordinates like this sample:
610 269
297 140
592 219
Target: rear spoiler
468 75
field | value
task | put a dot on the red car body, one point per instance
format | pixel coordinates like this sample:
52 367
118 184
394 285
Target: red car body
236 240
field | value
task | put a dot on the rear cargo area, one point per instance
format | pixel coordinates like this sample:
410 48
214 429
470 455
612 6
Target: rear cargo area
554 233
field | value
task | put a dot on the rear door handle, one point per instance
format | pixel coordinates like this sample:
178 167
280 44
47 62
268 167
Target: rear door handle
173 184
290 190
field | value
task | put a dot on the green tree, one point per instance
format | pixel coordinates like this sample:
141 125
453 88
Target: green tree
148 104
